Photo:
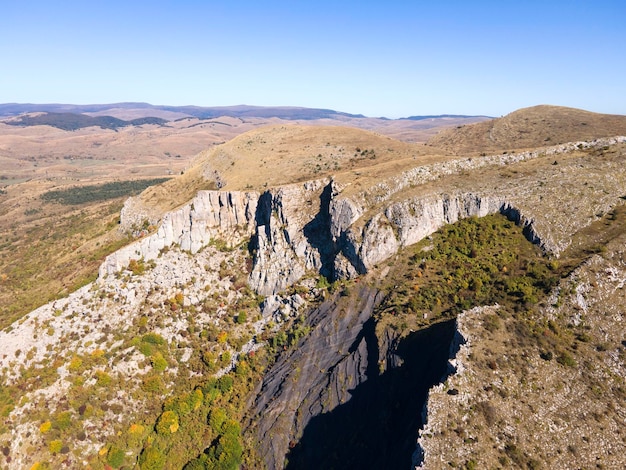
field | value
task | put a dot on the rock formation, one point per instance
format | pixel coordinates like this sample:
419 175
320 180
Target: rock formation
313 227
227 216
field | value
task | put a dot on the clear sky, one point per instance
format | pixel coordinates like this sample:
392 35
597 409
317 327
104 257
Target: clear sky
379 58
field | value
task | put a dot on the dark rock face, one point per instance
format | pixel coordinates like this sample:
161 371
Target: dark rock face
326 404
317 375
378 426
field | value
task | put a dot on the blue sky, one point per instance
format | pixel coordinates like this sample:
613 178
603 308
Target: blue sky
392 58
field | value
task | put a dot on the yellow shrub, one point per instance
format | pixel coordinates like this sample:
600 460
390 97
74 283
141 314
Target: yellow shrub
167 423
136 429
55 446
75 364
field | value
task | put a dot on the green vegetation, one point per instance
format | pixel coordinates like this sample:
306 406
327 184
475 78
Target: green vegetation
100 192
74 121
203 421
477 262
115 457
54 263
473 262
137 267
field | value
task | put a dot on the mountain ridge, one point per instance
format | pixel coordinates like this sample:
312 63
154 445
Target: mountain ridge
204 112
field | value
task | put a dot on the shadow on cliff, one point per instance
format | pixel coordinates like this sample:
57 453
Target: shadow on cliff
378 427
317 233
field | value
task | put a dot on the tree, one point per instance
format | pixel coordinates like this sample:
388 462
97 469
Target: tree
167 423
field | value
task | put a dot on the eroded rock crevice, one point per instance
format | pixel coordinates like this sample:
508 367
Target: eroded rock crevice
378 426
320 403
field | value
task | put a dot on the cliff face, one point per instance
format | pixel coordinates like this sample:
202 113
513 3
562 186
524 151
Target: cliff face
349 394
290 235
316 376
301 228
314 227
227 216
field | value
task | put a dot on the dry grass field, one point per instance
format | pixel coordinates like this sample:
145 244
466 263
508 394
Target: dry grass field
527 128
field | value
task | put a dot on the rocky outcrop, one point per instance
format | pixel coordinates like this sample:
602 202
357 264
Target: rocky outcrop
317 375
407 222
312 227
227 216
338 241
291 227
309 227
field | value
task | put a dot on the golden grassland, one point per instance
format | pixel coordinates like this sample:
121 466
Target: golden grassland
527 128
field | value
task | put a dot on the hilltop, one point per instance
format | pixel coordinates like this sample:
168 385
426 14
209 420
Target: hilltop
528 128
273 156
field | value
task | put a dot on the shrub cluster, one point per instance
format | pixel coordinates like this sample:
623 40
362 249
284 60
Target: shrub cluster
100 192
473 262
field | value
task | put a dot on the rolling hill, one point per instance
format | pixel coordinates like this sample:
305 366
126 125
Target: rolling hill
529 128
73 121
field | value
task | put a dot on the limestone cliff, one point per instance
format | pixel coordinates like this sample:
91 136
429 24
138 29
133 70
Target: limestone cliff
348 235
228 216
315 227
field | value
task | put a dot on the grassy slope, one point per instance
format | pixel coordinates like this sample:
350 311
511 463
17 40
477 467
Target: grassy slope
49 249
278 155
529 128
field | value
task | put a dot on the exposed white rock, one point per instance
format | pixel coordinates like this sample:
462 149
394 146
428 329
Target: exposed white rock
228 216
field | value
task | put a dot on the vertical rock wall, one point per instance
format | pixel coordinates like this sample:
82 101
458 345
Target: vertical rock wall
228 216
309 227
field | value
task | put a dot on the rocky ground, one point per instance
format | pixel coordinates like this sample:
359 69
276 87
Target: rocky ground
90 348
555 403
189 296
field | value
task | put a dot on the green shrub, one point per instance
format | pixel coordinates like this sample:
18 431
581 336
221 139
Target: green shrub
154 338
55 446
115 457
242 317
137 267
322 283
566 359
62 421
226 455
152 384
151 459
102 378
196 464
217 418
225 383
167 423
158 362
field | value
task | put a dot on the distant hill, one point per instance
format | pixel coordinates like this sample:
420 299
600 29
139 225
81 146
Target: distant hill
529 127
240 111
444 116
72 121
411 129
